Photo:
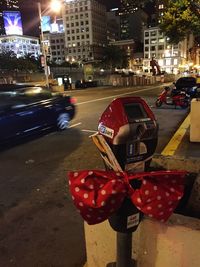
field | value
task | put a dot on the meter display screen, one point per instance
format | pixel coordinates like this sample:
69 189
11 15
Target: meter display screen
135 111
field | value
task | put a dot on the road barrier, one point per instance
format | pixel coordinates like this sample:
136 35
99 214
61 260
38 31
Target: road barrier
117 80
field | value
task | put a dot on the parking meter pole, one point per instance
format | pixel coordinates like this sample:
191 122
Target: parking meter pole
124 250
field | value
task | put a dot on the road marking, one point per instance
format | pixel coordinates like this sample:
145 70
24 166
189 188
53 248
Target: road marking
174 143
89 131
114 96
74 125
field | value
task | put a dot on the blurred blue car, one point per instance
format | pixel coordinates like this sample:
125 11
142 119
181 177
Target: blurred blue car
25 111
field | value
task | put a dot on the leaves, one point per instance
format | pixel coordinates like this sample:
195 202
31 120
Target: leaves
179 20
10 62
115 57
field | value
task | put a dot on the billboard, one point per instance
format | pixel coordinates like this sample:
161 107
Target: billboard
57 26
46 23
12 22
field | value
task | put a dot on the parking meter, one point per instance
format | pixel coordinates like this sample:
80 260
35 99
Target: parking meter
130 128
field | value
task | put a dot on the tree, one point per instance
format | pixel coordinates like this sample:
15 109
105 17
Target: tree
115 57
10 62
180 19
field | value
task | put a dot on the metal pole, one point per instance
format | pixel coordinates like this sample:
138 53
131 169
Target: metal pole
124 250
43 47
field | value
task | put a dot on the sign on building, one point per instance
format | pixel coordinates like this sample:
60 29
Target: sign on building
12 22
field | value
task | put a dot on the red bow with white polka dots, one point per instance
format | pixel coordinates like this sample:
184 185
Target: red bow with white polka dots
99 194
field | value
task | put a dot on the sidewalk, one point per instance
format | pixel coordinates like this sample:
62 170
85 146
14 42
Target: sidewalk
180 144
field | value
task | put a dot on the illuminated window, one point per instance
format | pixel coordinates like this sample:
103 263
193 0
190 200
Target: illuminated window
160 62
153 41
153 33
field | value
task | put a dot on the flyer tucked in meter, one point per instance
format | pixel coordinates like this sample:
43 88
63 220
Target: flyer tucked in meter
106 153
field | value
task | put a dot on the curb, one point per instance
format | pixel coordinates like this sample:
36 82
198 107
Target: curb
177 163
191 203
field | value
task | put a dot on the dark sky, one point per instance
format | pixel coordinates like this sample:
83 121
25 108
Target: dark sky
30 14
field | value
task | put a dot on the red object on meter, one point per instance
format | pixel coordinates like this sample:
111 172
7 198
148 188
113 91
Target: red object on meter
99 194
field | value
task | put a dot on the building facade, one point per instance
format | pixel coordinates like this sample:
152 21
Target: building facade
85 30
113 26
57 47
169 57
6 5
127 7
20 45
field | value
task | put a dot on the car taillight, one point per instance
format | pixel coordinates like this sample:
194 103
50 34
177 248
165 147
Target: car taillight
73 100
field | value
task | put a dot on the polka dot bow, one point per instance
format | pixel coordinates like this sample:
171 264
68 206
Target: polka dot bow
99 194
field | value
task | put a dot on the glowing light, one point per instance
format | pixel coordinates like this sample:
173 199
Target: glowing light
56 6
160 62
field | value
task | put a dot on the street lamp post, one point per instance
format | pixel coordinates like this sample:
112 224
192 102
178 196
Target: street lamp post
46 70
55 6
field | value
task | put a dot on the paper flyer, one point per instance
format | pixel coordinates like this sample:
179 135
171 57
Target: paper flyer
106 153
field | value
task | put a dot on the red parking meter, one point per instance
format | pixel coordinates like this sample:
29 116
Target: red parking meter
129 127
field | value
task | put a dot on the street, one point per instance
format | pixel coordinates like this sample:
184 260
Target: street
39 226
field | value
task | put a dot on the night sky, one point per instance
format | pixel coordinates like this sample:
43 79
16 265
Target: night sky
30 14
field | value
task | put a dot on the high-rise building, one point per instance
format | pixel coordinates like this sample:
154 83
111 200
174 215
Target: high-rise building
126 8
160 7
113 25
85 30
20 45
132 20
157 13
6 5
9 4
157 47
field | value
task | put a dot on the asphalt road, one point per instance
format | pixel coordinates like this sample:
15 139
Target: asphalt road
39 226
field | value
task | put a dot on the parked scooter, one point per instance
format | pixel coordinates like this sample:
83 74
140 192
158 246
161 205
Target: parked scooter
169 97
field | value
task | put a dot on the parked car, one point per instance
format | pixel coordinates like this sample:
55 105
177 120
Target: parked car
85 84
187 84
28 110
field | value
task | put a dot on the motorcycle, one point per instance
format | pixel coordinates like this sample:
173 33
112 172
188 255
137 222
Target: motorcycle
170 97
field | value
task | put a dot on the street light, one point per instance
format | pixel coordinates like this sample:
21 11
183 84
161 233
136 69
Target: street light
55 6
46 71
